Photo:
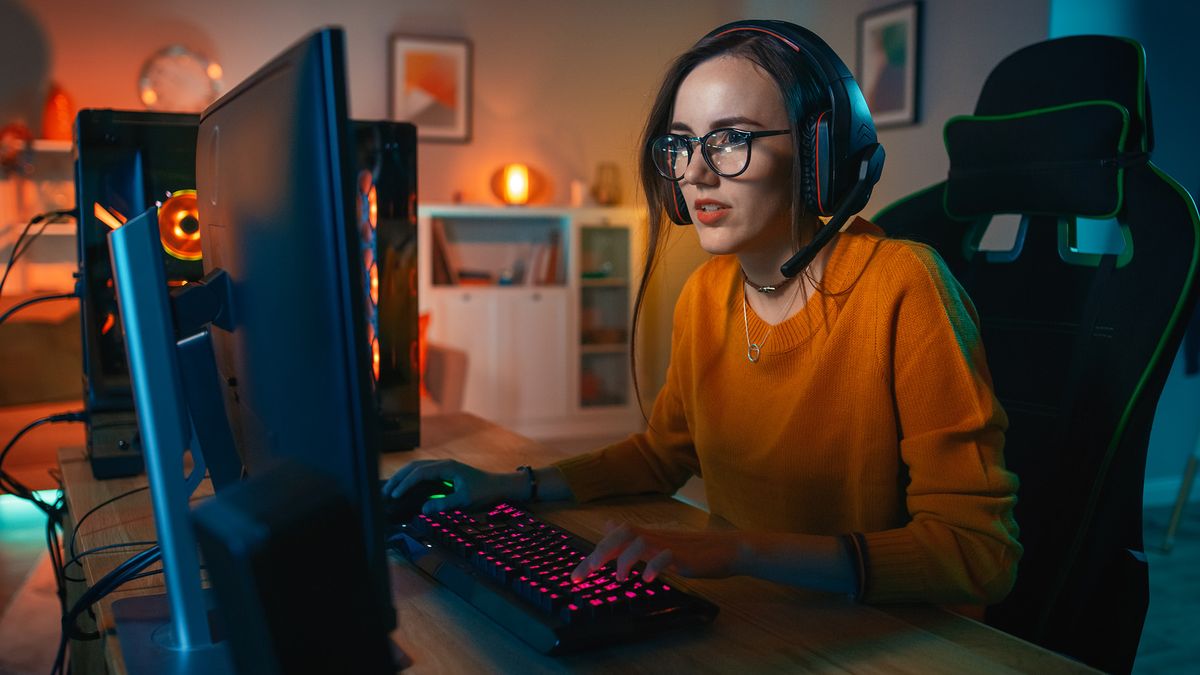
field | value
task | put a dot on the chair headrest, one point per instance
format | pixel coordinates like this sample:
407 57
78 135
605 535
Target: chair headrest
1055 126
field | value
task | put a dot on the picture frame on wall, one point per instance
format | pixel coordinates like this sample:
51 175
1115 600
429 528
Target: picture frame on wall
889 62
430 86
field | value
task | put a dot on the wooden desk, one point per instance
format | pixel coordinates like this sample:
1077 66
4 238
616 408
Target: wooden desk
762 626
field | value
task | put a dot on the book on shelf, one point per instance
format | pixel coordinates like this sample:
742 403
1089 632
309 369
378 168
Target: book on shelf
445 259
475 278
536 270
543 269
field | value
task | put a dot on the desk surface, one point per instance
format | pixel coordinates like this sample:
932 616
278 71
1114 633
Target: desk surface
762 626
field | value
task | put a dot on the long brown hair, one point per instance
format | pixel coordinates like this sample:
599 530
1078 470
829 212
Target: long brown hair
803 95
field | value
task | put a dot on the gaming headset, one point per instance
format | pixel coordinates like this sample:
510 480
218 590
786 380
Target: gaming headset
842 160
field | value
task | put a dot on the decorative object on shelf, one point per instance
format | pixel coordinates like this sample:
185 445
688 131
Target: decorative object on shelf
596 257
58 114
514 184
518 184
606 190
177 79
431 86
513 274
889 63
16 150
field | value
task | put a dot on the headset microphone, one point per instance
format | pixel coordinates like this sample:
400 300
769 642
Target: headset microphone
869 169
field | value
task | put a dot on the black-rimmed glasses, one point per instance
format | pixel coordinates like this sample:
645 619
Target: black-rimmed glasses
726 151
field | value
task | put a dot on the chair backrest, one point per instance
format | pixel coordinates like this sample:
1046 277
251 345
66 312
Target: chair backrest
1079 345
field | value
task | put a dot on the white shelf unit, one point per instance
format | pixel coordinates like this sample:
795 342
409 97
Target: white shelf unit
50 185
547 334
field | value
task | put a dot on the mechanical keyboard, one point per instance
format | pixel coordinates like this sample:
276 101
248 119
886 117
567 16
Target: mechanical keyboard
516 569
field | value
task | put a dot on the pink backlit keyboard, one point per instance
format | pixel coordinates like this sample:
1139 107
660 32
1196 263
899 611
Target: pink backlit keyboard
517 568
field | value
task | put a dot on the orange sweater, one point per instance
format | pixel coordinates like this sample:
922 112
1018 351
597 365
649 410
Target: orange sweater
870 411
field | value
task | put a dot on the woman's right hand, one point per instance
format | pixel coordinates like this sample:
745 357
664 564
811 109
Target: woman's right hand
472 487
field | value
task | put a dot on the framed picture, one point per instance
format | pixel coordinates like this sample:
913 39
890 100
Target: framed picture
889 62
431 86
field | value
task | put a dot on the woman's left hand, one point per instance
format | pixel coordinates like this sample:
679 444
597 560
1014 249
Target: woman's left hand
692 554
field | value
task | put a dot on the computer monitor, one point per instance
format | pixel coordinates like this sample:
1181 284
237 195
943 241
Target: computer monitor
275 177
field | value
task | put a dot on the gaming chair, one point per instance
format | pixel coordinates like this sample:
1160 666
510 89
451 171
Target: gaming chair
1079 345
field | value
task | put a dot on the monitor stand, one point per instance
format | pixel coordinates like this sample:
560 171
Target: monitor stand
166 634
149 639
149 643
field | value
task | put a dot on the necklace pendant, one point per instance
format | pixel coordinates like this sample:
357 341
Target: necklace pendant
766 289
753 352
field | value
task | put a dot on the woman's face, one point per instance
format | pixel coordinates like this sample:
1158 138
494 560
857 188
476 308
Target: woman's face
750 213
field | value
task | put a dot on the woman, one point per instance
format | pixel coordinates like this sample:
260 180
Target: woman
843 419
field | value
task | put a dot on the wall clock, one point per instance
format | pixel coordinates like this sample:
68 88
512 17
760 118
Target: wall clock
177 79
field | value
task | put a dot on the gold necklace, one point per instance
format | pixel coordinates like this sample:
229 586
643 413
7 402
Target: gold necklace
754 349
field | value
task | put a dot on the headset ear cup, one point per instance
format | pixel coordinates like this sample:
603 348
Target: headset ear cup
807 162
677 209
815 164
823 165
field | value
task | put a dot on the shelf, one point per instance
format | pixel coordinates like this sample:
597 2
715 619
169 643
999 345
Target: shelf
541 355
490 249
611 401
494 288
606 282
47 145
617 348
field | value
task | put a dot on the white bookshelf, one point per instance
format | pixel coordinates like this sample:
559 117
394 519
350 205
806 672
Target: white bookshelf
540 299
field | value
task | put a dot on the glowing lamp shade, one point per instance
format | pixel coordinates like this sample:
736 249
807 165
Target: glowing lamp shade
516 184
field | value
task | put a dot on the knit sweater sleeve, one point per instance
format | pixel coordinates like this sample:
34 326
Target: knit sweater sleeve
960 545
660 459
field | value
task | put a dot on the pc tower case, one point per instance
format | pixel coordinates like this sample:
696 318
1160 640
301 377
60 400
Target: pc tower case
386 194
126 162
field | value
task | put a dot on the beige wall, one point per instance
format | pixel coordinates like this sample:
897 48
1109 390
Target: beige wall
962 40
559 85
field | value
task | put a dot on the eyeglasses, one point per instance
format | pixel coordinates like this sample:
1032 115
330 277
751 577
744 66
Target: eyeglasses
726 151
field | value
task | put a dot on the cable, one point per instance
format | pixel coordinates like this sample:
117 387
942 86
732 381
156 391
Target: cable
127 571
79 523
53 545
75 559
33 301
16 250
100 549
10 484
54 511
49 217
